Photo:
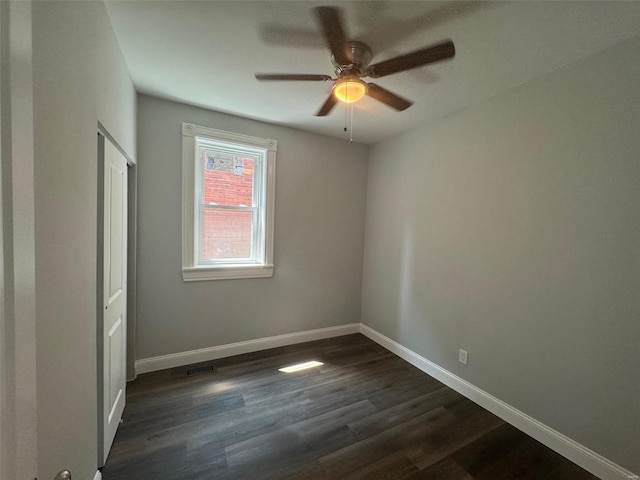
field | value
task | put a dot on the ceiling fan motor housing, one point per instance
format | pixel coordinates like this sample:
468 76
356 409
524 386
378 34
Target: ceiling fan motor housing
359 56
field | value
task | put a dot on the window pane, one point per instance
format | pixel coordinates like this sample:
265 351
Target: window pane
228 179
226 234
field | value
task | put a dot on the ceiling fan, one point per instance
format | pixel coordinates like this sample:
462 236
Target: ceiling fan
351 63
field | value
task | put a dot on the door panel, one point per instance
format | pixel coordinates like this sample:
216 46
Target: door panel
116 234
115 360
115 291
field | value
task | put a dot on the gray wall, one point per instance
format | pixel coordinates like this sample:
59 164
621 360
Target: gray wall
80 79
319 233
512 230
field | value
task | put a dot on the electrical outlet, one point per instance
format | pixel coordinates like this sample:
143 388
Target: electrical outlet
463 357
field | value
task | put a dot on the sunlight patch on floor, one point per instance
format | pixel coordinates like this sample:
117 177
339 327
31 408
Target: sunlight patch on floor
300 366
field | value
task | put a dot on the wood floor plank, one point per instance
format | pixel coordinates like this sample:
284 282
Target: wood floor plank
442 443
312 471
445 469
281 442
505 454
339 417
401 412
395 466
398 438
364 414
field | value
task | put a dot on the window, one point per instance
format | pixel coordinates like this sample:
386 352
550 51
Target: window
228 183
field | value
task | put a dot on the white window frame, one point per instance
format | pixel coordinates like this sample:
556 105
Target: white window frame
261 264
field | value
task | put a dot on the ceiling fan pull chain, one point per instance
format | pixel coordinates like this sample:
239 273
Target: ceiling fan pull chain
351 127
346 109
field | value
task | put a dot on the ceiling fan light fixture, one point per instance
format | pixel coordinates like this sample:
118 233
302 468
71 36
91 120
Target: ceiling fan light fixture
349 89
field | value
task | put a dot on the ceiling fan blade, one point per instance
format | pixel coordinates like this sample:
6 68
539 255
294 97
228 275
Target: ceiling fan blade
292 76
411 60
385 96
327 106
331 24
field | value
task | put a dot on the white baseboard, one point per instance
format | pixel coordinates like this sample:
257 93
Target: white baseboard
162 362
98 475
577 453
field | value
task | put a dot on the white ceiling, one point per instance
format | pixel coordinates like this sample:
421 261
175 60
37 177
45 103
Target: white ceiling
205 53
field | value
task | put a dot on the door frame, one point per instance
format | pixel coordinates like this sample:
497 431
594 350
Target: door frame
102 136
18 374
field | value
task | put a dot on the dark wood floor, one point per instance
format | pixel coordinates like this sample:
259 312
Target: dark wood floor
365 414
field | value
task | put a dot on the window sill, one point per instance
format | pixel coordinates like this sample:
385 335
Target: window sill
198 274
